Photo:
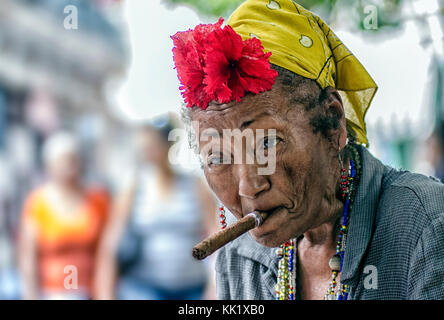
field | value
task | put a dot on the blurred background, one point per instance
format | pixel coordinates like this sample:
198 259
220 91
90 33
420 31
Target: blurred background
87 96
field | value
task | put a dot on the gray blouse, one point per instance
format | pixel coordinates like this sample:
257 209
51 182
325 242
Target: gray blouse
395 243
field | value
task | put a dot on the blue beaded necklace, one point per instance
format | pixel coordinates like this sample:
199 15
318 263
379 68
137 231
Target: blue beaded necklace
337 260
286 281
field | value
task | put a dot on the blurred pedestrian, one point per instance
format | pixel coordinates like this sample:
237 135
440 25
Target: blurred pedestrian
60 227
158 217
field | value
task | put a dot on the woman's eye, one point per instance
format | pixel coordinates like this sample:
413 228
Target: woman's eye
271 142
215 160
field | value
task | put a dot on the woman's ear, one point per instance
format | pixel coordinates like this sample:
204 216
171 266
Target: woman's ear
335 110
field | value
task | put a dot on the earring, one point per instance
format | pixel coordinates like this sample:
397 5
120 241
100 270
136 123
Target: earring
222 217
344 177
341 164
344 183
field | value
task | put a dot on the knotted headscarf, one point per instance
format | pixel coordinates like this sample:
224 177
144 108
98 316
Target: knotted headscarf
302 43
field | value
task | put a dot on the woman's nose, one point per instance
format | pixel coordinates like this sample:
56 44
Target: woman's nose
251 184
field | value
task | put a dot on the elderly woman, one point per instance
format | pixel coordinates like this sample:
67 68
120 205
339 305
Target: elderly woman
342 225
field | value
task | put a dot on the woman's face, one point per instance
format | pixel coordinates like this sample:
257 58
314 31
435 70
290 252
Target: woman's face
299 192
65 168
152 147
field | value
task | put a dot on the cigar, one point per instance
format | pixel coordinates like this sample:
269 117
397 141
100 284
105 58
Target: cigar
218 240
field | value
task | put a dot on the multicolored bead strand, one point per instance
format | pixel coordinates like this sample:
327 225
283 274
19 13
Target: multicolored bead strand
285 287
337 260
222 217
291 276
348 186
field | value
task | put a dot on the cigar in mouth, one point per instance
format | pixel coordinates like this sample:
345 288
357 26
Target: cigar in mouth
218 240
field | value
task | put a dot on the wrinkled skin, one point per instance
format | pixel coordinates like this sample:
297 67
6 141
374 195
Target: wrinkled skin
304 186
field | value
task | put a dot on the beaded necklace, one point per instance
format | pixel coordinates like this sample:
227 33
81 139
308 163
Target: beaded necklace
287 254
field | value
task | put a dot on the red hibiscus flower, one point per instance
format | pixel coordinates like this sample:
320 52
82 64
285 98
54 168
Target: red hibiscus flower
216 64
189 59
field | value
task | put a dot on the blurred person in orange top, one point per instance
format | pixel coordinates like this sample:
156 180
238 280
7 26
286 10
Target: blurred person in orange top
60 227
158 217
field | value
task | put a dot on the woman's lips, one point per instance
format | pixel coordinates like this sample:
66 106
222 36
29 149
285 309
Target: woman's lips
273 215
273 211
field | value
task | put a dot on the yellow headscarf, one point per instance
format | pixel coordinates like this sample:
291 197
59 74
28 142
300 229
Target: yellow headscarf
301 42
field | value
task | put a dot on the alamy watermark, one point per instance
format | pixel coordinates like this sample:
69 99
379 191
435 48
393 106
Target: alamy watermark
231 146
70 282
371 17
71 21
371 280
